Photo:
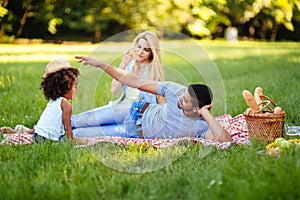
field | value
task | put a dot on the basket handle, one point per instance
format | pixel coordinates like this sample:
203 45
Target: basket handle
266 103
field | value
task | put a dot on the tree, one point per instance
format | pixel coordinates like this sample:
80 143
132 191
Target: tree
201 18
3 13
99 18
269 14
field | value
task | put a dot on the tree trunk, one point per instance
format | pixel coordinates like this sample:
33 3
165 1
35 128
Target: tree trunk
263 31
5 3
24 18
161 33
97 36
251 31
274 32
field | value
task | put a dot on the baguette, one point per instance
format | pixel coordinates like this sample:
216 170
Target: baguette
248 111
251 101
257 93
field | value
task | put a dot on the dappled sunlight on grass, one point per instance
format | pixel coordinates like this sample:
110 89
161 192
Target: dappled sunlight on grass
41 52
46 52
135 158
244 49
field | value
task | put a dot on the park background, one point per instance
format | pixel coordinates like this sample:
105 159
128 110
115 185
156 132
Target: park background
95 20
60 171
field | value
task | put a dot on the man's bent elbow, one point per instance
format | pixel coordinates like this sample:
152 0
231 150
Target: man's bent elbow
226 137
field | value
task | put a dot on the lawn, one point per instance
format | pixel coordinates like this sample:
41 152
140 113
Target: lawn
60 171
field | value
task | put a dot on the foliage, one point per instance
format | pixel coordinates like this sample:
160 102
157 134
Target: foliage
98 19
268 15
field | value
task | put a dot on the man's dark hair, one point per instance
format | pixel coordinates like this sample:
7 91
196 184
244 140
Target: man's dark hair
202 93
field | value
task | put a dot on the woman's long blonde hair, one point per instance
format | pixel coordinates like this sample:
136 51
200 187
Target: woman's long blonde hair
155 70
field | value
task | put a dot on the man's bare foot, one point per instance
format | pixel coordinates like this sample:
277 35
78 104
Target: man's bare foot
7 130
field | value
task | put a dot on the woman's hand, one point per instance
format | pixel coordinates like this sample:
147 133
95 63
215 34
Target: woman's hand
127 57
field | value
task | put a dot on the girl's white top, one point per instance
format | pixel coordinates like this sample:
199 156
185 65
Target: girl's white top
50 123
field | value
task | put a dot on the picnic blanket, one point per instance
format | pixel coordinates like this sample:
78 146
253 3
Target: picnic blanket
236 127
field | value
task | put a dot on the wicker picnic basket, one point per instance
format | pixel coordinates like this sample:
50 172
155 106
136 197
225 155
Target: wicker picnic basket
265 126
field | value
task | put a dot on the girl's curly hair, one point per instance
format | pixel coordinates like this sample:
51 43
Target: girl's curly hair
59 83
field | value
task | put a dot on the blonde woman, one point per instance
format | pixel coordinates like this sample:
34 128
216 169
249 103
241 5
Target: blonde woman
144 60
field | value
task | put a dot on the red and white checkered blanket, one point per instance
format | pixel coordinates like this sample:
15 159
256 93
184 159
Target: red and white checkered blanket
236 126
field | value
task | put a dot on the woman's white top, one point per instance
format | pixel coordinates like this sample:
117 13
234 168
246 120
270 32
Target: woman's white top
130 94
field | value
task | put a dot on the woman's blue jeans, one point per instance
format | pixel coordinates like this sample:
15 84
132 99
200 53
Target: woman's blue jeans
110 120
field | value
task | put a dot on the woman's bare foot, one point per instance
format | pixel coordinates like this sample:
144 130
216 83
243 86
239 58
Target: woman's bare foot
7 130
80 141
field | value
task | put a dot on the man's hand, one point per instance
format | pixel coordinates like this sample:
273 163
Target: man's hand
206 107
121 75
90 61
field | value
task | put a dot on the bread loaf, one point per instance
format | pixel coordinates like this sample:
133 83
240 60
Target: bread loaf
250 101
277 110
248 111
257 93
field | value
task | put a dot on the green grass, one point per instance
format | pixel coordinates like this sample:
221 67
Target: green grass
106 171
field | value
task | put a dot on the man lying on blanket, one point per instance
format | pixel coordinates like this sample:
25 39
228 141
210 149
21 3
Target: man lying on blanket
185 114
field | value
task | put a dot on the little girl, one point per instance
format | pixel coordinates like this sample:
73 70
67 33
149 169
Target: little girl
59 85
